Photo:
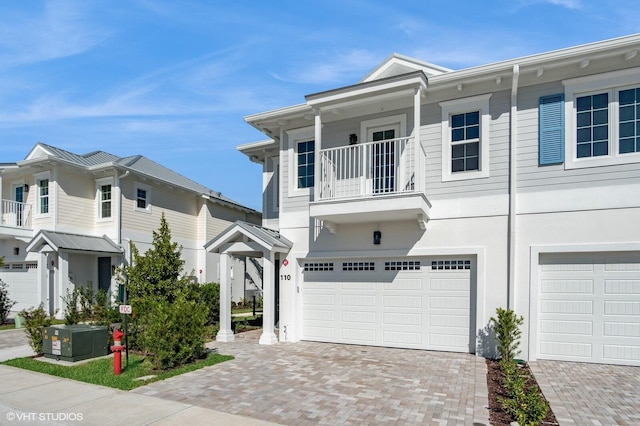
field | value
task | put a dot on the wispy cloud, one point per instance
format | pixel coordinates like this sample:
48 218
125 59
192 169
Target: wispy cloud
339 68
60 30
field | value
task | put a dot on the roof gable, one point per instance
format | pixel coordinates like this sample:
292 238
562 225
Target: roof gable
397 64
267 238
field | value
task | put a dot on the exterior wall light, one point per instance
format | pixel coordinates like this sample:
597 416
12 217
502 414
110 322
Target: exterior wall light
377 236
353 139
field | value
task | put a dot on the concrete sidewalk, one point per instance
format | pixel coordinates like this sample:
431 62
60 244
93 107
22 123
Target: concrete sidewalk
28 398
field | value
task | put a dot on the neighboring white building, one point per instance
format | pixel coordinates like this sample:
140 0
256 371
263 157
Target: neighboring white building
67 220
412 204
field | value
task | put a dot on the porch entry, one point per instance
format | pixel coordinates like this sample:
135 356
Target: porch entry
104 274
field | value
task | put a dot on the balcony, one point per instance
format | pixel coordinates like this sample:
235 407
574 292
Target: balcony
371 182
15 215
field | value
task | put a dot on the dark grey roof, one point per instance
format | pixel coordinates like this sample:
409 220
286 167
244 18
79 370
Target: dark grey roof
269 237
138 164
76 242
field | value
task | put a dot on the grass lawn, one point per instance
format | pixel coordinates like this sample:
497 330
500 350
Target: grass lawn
100 371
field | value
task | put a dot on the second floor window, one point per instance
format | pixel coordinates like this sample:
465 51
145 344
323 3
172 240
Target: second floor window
141 198
592 125
43 196
306 152
105 201
465 141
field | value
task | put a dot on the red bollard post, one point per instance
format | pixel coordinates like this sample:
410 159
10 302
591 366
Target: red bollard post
117 349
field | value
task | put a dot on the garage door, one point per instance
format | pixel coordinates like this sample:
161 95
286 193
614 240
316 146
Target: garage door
22 283
420 303
589 308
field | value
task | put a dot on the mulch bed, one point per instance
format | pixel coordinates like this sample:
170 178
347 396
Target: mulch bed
497 415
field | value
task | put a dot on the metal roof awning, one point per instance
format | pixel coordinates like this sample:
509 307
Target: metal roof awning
56 241
254 237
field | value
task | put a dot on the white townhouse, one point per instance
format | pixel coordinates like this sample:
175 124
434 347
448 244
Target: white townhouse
66 220
404 209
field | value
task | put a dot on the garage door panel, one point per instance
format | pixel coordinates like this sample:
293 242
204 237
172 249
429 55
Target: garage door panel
402 338
449 302
617 307
617 353
448 342
357 335
566 306
403 301
318 315
619 329
316 299
444 320
622 287
573 287
357 300
590 313
403 285
366 317
322 333
400 318
358 286
582 328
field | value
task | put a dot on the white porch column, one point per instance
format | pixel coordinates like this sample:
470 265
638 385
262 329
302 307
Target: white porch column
268 303
419 184
225 334
63 282
43 280
317 145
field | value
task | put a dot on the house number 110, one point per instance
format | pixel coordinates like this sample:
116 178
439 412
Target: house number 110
285 277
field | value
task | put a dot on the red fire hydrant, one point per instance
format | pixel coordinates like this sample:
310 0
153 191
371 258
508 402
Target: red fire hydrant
117 349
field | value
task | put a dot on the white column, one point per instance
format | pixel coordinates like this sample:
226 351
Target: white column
317 145
43 280
63 282
225 334
419 164
268 303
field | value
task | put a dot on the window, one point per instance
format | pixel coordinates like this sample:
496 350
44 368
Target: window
318 266
358 266
465 141
142 200
465 138
43 196
42 193
300 145
447 265
603 119
105 201
629 126
407 265
592 125
306 152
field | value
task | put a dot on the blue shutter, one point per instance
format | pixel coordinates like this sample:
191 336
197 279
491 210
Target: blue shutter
551 131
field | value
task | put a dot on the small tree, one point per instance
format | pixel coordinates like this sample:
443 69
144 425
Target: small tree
163 303
507 328
5 302
159 272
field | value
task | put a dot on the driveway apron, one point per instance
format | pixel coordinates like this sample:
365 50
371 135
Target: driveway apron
323 383
590 394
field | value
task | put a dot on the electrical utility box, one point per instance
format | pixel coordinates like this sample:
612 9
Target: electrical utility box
75 342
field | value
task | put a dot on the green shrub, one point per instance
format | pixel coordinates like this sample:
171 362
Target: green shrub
5 302
507 329
35 319
172 334
72 312
210 297
103 311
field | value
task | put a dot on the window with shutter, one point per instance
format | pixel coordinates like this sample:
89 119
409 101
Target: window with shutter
551 130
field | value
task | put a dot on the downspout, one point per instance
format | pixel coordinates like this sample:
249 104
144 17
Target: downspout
119 221
511 243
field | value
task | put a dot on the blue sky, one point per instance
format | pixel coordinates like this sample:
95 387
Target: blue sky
172 80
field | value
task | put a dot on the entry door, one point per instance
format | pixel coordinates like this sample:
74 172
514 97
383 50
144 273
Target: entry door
104 274
19 198
384 160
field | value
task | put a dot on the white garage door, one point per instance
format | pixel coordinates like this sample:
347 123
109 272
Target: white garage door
589 308
421 303
22 283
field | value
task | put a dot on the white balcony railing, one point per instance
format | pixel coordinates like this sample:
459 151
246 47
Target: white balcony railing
375 168
15 214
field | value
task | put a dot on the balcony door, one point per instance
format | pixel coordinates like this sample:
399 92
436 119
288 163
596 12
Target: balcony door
18 197
384 158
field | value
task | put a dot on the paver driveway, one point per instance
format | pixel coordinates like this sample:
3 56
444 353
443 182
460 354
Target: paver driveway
590 394
322 383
